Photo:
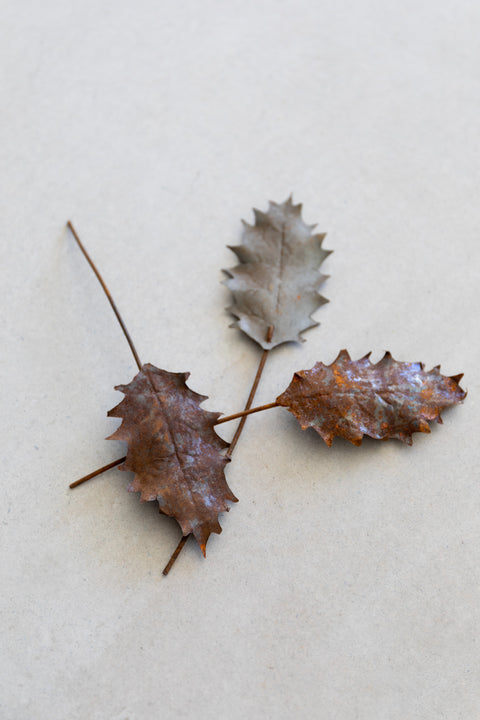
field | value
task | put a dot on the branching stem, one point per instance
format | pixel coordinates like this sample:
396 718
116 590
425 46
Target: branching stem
244 413
98 472
175 554
248 404
107 293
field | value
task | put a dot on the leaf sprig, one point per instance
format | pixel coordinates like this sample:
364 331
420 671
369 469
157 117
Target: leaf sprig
177 458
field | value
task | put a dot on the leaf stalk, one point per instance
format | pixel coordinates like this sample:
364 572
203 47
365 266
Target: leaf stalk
244 413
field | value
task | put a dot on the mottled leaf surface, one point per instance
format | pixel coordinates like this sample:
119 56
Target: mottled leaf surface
275 286
352 398
174 450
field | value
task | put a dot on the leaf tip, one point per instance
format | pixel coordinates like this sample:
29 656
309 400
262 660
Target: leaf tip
297 210
387 358
343 356
260 217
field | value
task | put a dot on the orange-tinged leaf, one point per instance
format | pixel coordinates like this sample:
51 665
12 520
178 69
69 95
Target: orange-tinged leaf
173 450
352 398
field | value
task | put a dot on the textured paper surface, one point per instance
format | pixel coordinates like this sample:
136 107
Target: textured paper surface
345 583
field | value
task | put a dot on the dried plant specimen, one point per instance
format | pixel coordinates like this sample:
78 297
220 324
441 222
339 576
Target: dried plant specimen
352 398
177 458
276 284
173 450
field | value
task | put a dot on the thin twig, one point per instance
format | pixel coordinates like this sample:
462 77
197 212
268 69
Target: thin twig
175 554
107 293
98 472
242 414
248 404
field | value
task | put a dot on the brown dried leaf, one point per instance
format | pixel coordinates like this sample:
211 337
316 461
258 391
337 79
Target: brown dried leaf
352 398
173 450
277 281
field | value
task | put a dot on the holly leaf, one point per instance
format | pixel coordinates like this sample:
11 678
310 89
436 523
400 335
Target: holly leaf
275 285
173 450
352 398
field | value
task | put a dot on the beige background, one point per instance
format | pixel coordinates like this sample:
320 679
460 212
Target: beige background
345 584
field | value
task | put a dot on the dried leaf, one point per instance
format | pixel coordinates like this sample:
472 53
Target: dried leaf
277 281
173 450
352 398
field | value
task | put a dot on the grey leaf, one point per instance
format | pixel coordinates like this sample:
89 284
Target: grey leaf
275 285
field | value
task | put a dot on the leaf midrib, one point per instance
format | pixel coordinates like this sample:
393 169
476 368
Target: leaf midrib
170 432
281 266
